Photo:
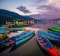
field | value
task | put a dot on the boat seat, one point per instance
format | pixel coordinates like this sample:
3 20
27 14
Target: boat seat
43 40
57 37
43 44
48 45
39 38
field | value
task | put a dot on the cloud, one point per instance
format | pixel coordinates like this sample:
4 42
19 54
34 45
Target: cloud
48 7
55 3
44 7
23 9
39 2
51 12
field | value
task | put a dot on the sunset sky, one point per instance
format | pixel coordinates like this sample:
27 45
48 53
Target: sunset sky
37 8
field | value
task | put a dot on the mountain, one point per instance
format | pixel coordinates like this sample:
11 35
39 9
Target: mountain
45 17
58 19
6 15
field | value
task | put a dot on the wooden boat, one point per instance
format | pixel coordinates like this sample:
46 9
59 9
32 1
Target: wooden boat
2 30
57 27
50 36
9 41
54 29
45 45
18 29
53 32
16 39
24 38
3 36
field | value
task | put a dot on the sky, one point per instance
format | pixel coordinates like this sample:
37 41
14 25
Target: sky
36 8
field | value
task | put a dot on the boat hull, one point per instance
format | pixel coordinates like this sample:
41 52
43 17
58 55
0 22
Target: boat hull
6 43
45 45
42 49
51 37
25 40
47 51
54 32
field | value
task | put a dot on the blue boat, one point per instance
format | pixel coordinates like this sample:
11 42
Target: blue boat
54 32
8 40
50 36
45 45
25 38
57 27
17 39
18 29
2 30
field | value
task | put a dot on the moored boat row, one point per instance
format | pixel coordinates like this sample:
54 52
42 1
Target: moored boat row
16 39
55 29
18 29
50 36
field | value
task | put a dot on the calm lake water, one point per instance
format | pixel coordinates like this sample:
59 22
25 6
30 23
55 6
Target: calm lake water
30 48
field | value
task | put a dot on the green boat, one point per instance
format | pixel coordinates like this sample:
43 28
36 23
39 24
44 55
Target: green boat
54 29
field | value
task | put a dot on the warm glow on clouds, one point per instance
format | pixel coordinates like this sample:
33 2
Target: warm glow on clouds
55 3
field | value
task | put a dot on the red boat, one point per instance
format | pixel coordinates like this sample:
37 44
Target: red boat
46 46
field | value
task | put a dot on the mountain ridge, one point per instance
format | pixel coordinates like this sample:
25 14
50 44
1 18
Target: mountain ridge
6 15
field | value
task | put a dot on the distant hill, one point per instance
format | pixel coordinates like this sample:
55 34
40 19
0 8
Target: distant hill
6 15
45 17
58 19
